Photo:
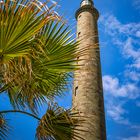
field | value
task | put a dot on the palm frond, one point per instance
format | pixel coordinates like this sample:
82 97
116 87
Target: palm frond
20 22
47 71
53 64
4 127
58 124
37 53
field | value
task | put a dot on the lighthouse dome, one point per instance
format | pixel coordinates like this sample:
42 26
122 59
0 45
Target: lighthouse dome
86 2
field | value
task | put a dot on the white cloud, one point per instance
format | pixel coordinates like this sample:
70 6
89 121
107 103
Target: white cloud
133 75
116 112
138 105
132 138
129 49
136 64
113 87
137 127
138 34
125 36
114 27
114 91
130 52
136 4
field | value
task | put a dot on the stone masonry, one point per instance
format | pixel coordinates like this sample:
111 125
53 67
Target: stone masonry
87 91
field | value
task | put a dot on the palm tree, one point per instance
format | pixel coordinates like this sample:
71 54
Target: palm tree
37 55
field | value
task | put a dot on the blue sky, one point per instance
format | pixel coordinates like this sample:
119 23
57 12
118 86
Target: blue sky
119 33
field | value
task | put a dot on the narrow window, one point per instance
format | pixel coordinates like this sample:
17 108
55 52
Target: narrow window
77 60
79 16
79 34
76 90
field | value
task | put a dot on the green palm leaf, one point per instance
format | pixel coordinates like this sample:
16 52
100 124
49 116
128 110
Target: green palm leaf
47 70
56 59
37 56
20 22
58 124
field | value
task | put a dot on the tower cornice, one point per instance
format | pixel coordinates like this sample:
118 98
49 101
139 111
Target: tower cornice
88 8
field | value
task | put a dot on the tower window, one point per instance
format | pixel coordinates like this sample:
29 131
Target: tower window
77 59
76 88
79 16
79 34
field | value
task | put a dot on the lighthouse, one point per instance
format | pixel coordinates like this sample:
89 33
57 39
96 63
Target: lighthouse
87 89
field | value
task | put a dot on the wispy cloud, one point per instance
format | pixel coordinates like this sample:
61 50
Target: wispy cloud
132 138
132 75
137 127
125 36
136 4
138 104
116 112
115 93
113 87
129 50
114 27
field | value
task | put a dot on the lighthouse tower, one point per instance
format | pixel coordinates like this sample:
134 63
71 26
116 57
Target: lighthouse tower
87 91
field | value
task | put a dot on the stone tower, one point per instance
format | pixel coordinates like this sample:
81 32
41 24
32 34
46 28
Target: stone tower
88 92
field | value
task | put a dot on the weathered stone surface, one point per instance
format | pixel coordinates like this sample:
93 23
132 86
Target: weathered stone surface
87 92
